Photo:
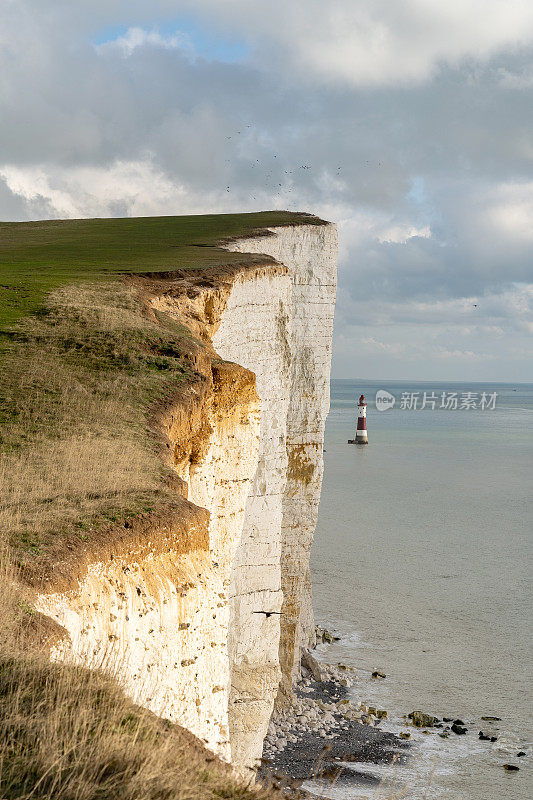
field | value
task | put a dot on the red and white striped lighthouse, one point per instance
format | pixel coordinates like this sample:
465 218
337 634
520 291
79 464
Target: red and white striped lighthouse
361 436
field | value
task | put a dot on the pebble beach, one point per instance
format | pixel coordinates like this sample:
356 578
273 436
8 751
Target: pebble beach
324 731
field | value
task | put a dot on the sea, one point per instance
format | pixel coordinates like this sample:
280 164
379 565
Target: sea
421 564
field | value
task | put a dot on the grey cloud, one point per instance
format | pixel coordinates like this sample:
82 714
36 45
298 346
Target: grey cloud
14 207
72 104
459 134
425 268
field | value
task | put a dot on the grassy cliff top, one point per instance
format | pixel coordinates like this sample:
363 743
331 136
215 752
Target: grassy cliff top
36 257
84 366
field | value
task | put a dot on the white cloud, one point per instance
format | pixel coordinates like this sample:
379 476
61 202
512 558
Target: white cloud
378 42
518 80
400 233
125 188
494 313
389 347
461 355
510 209
139 37
358 226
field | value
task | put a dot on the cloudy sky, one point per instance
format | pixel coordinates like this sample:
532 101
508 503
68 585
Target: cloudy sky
408 122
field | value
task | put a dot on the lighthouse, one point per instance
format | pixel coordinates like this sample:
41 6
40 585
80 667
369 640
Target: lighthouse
361 436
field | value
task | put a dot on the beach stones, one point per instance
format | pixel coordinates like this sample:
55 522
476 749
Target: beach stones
378 674
321 718
421 720
491 719
511 767
372 713
459 730
323 635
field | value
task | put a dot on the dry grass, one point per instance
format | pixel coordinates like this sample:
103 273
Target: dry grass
78 381
58 485
67 733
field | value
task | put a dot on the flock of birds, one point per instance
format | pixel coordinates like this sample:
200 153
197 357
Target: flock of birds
282 188
277 181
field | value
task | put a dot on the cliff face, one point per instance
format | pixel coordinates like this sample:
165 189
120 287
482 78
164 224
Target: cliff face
191 635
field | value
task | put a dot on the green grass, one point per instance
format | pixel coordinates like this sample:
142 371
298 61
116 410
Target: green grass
36 257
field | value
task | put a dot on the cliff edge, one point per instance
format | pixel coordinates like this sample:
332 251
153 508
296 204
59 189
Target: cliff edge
200 604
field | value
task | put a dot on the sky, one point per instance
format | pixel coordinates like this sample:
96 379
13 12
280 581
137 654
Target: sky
409 123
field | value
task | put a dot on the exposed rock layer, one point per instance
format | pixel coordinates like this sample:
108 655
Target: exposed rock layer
208 634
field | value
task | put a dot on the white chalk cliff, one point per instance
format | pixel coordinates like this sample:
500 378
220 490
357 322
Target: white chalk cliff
211 638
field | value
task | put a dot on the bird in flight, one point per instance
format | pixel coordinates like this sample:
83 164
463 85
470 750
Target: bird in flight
267 613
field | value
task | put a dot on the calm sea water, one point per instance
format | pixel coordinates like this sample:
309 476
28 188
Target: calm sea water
422 562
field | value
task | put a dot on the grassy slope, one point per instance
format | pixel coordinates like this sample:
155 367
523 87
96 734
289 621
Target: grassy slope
78 382
36 257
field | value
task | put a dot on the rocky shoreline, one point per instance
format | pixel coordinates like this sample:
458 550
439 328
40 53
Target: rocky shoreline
323 732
